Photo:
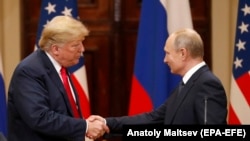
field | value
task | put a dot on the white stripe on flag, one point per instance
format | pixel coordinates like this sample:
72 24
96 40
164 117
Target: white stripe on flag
242 110
82 79
179 14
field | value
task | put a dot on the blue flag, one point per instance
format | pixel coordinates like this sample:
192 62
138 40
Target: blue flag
152 80
3 106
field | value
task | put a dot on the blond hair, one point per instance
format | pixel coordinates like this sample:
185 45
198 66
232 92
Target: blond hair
60 30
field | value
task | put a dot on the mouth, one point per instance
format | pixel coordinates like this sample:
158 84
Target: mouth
79 56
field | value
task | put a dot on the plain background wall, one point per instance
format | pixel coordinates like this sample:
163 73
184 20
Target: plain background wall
224 14
10 44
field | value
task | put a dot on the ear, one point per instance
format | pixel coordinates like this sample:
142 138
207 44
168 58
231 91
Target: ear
55 49
184 53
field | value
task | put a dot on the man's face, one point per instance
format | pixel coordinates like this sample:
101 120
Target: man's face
70 53
172 56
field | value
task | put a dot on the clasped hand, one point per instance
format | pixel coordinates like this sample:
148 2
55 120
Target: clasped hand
96 127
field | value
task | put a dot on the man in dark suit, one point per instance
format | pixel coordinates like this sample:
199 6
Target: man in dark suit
200 99
38 105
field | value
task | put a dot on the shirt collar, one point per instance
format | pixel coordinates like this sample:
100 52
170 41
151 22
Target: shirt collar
187 76
54 62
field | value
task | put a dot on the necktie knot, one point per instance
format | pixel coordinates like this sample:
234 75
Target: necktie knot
181 85
63 71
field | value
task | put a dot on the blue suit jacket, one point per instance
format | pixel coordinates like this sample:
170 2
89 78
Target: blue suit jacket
38 108
202 101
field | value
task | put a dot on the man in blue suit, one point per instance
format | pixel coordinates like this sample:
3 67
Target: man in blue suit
38 106
200 99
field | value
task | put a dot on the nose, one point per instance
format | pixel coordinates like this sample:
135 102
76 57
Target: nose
82 49
165 59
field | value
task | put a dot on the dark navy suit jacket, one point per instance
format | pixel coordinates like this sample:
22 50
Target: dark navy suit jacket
202 101
38 109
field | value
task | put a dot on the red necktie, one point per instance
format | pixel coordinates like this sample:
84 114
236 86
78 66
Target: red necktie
69 93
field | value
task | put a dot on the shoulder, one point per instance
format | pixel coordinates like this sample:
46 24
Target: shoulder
32 64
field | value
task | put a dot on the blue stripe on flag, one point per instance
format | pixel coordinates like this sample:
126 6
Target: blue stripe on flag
3 107
150 69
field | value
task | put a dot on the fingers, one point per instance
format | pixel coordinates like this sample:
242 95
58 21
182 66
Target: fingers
95 117
96 127
105 128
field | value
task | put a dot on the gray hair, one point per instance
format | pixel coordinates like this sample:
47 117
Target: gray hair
191 40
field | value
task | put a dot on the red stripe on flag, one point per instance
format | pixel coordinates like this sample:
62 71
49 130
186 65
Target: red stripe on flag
240 98
83 100
243 84
233 119
139 94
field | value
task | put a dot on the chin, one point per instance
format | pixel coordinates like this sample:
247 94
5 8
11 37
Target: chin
173 72
76 62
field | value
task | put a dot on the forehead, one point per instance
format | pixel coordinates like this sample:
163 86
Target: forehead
77 40
169 42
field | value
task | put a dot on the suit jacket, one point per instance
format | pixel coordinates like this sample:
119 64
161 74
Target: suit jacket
201 101
38 108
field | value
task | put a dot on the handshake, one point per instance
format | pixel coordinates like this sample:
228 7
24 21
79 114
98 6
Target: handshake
96 127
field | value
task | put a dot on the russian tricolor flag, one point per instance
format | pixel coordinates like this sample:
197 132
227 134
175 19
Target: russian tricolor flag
152 81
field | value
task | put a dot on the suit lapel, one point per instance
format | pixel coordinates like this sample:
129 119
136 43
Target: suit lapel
55 78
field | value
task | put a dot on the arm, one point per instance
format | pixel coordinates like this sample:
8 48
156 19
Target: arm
38 102
211 102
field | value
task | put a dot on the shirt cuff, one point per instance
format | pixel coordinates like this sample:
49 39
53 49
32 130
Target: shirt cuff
87 126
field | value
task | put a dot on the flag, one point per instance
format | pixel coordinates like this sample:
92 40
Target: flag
152 80
239 110
50 9
3 106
